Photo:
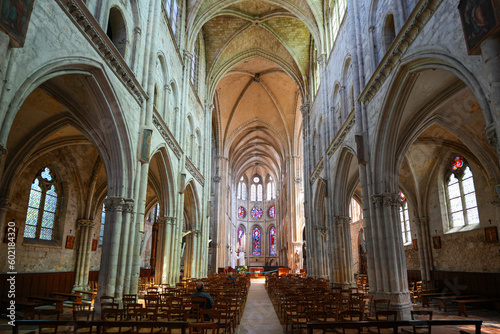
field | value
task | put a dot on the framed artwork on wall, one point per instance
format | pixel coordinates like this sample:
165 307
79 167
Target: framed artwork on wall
436 242
15 18
490 234
415 244
70 242
94 245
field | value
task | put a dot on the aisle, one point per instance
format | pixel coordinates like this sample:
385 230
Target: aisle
259 315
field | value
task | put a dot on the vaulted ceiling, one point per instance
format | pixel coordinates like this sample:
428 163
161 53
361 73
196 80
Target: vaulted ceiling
258 60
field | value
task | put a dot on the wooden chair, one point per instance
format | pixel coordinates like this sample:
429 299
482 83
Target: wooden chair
203 328
51 314
419 315
144 314
111 315
384 316
107 299
110 305
82 306
83 315
350 316
379 305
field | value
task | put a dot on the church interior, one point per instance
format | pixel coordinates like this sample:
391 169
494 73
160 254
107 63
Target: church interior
349 143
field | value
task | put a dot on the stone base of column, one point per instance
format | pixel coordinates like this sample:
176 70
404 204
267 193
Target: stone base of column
400 302
84 287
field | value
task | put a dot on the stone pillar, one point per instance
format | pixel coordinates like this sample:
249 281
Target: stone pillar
5 205
126 254
342 271
160 250
83 262
490 55
388 279
424 247
111 250
221 179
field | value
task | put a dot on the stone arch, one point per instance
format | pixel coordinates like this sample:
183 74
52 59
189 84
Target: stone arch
389 151
103 124
346 180
191 227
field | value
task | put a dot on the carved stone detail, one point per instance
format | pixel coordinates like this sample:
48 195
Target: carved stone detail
83 19
410 31
114 204
128 206
342 220
194 172
84 222
304 108
317 171
167 136
339 138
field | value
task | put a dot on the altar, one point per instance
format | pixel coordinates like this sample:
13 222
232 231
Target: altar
256 272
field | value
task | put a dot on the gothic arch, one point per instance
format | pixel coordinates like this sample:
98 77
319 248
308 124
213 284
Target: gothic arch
103 124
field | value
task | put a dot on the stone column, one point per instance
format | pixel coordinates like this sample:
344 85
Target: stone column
83 261
5 205
125 254
389 279
160 273
424 247
221 178
342 271
320 251
490 55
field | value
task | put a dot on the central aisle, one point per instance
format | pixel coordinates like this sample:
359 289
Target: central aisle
259 315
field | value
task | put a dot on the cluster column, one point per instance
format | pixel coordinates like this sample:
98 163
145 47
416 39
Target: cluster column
83 263
424 247
387 266
342 271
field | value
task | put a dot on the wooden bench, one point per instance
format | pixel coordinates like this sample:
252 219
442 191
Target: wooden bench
90 293
426 297
77 298
442 300
463 303
29 307
58 301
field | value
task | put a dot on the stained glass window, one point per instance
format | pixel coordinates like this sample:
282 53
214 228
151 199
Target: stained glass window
253 192
242 212
256 212
256 242
404 218
256 179
259 192
103 219
461 194
42 207
241 240
244 191
272 242
271 212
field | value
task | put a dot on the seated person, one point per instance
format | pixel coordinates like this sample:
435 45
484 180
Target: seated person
231 278
200 293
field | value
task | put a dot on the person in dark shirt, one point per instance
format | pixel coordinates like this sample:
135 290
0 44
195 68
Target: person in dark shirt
200 293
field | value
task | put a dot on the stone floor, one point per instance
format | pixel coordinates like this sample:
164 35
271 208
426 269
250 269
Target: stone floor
259 316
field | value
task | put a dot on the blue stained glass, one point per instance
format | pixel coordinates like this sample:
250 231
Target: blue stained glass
48 220
50 203
271 212
46 174
32 216
52 191
35 197
256 212
29 231
256 242
272 242
103 219
46 234
36 185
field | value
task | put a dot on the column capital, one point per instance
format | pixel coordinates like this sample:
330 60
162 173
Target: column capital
162 220
304 108
491 134
209 106
85 222
386 199
321 59
420 221
342 220
113 204
128 205
5 203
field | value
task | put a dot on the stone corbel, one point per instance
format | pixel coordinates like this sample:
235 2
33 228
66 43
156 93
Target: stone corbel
84 222
304 108
342 220
495 201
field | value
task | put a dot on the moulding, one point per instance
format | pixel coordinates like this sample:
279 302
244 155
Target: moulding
339 138
317 171
421 14
167 135
195 172
77 11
